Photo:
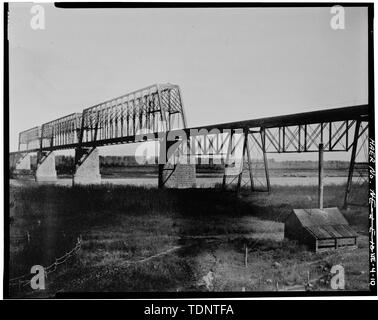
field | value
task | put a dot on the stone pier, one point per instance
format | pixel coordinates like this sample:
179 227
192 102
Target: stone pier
46 167
87 163
178 176
179 173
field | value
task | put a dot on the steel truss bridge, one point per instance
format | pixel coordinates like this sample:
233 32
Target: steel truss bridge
157 112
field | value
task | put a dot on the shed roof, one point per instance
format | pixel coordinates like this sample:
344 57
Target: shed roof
316 217
330 232
325 224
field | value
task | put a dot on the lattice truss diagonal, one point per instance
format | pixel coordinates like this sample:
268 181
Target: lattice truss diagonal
335 135
358 176
29 139
245 159
157 108
61 132
246 163
153 109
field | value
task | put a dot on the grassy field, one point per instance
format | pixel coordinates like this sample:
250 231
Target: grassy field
140 172
145 239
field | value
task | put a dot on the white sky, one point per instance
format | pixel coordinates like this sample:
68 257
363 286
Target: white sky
231 64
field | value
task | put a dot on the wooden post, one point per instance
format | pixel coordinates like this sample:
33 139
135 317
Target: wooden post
246 255
227 161
265 160
320 186
249 157
351 165
245 146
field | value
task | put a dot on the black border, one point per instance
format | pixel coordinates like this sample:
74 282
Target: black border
120 5
372 178
162 295
6 154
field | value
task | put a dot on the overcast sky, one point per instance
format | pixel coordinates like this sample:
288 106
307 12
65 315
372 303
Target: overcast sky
231 64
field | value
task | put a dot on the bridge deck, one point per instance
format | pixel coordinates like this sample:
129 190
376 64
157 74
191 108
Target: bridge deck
354 113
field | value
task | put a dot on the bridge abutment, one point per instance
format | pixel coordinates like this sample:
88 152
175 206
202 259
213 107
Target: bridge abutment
46 171
87 163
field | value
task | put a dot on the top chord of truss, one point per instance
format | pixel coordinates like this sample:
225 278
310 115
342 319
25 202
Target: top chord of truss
360 112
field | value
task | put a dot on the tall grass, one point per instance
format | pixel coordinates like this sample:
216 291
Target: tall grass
120 223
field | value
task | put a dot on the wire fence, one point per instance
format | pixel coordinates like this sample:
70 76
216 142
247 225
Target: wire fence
25 279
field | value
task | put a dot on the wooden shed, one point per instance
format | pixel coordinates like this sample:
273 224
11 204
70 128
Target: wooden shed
320 229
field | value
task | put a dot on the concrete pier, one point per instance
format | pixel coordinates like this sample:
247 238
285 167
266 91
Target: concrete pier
46 171
87 167
23 163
